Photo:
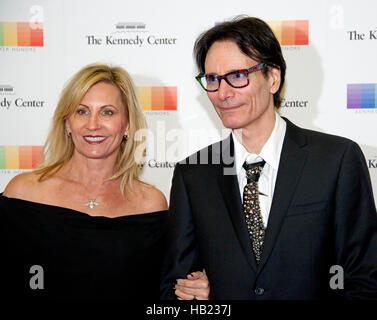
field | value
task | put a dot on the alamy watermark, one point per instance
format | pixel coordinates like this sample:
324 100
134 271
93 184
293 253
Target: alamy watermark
174 145
36 17
37 280
337 280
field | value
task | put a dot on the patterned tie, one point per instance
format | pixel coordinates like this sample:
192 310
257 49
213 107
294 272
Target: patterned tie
251 207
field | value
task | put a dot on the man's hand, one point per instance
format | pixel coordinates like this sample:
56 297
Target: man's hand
195 287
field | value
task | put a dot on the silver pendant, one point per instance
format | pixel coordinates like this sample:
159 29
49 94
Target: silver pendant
91 204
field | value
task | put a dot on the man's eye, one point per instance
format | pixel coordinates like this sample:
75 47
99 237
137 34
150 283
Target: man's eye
239 75
211 78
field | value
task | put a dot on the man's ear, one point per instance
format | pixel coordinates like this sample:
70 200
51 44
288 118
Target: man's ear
274 78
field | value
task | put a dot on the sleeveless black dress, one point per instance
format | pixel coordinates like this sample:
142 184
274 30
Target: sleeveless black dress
73 255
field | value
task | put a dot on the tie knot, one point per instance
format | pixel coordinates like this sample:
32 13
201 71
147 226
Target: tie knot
253 170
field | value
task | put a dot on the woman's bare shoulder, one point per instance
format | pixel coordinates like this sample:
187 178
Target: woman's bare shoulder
22 186
151 198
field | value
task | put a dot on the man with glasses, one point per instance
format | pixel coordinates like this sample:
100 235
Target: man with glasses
274 211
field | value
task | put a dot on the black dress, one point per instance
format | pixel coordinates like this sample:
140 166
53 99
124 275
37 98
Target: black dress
79 256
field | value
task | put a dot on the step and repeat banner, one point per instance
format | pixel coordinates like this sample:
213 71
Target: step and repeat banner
330 48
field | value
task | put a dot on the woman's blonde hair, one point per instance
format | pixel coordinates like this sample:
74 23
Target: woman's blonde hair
59 147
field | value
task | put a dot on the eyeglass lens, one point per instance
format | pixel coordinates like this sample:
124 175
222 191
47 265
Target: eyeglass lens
235 79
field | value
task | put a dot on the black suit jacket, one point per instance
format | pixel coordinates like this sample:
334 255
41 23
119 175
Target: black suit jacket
322 214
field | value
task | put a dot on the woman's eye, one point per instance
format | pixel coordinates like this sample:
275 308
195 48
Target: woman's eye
107 112
82 112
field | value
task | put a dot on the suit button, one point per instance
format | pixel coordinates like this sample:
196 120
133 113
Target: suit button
259 291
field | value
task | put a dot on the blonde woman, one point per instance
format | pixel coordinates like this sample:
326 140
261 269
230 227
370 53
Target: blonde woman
84 217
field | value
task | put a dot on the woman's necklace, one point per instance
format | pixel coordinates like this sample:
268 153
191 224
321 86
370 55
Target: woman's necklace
91 204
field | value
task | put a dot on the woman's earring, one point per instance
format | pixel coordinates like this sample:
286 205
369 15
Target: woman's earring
125 137
68 133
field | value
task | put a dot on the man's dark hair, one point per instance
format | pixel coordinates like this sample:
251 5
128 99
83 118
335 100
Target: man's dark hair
254 38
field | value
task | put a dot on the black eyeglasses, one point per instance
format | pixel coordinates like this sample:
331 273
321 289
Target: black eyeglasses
236 79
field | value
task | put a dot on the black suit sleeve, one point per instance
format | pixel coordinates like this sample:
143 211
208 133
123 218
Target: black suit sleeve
356 227
181 256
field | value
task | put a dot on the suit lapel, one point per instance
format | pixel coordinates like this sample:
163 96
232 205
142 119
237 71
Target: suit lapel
292 161
228 183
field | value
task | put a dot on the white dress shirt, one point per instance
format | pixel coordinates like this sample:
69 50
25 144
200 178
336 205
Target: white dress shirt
271 154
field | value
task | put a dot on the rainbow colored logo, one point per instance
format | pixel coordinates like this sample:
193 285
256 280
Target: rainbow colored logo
21 34
291 32
361 95
158 98
19 157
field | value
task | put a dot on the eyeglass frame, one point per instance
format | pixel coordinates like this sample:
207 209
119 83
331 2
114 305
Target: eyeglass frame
257 67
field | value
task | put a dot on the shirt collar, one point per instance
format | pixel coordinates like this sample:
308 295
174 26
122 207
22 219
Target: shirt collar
271 150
